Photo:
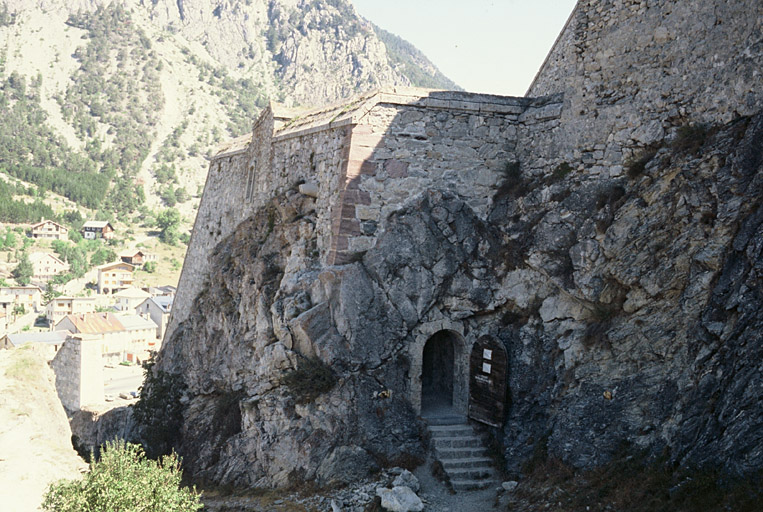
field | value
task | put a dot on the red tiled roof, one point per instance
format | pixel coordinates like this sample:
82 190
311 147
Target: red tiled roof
95 323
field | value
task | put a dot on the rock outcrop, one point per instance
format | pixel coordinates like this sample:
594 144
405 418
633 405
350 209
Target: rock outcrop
629 309
625 289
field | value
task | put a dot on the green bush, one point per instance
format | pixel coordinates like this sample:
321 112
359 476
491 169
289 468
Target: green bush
311 379
168 221
690 138
23 271
561 171
635 166
513 183
159 411
125 480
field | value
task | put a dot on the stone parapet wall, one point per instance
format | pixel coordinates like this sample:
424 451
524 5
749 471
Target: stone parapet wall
633 70
318 157
221 209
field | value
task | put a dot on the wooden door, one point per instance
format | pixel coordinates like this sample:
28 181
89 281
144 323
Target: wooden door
488 381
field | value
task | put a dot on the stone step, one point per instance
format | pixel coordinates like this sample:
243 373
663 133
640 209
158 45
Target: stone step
468 462
479 473
448 419
473 485
444 454
451 431
457 442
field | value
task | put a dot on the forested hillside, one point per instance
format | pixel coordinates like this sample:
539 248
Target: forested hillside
115 106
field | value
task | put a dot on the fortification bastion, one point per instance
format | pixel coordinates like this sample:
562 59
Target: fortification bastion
598 242
361 160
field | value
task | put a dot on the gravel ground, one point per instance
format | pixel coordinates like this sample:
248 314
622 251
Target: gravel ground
359 497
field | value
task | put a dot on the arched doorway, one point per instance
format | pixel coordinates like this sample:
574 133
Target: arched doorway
437 373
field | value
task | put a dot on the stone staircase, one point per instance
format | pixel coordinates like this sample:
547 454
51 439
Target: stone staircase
462 454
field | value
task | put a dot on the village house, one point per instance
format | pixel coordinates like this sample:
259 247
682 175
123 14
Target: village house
93 229
6 308
62 306
142 335
114 277
49 341
48 229
158 310
124 338
161 291
30 297
3 321
46 266
130 298
137 258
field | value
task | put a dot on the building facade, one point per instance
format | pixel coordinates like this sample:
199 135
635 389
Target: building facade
46 265
60 307
94 229
47 229
114 277
158 309
29 297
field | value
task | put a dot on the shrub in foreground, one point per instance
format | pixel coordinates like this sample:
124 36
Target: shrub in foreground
124 480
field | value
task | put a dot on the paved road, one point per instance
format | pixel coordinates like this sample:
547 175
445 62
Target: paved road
122 379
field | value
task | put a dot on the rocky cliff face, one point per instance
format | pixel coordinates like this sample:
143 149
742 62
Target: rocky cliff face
629 308
642 335
622 276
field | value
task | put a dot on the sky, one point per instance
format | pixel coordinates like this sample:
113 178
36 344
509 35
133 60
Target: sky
488 46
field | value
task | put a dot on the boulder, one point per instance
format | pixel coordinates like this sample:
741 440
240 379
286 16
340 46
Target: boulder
399 499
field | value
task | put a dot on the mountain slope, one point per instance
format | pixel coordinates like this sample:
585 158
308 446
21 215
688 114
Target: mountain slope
131 97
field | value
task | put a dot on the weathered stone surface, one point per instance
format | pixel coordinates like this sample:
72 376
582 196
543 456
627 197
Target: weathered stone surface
407 479
399 499
627 298
509 485
345 464
617 326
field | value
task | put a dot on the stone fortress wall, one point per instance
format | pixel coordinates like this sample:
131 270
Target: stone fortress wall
631 71
544 270
361 160
605 92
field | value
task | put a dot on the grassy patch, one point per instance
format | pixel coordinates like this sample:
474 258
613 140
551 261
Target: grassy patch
513 183
600 321
690 138
560 172
25 366
311 379
634 167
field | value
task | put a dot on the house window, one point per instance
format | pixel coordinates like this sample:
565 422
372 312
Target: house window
250 181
